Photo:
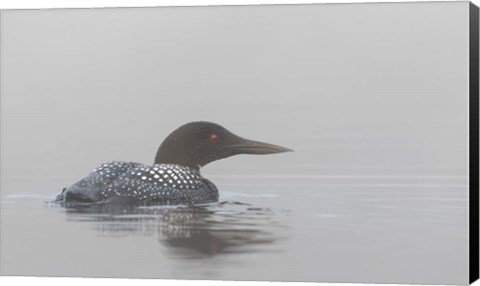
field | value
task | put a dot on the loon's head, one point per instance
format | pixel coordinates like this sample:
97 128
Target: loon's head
196 144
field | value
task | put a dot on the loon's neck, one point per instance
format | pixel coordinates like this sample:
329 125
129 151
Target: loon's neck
163 157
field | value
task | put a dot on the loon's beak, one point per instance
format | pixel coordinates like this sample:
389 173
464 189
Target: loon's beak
246 146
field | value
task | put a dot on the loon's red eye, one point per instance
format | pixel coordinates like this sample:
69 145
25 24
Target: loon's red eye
214 138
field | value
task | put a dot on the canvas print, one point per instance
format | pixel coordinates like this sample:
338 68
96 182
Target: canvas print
318 143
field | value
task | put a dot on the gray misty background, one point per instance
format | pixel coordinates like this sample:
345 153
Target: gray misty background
354 89
364 93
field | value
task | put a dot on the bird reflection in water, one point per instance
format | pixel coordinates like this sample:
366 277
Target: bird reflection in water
190 231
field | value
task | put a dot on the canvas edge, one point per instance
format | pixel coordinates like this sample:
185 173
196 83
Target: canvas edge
474 142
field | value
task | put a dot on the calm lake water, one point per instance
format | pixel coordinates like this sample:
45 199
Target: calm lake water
310 228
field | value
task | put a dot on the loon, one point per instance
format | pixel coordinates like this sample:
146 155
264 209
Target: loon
174 178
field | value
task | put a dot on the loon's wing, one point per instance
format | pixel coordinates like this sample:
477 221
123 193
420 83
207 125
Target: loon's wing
92 187
162 184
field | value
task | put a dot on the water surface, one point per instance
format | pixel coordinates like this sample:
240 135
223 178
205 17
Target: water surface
304 228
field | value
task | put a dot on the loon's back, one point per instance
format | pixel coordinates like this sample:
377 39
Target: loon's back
135 182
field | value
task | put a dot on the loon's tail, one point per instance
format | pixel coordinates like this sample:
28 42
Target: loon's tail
74 194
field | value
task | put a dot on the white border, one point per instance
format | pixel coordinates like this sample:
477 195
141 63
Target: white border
48 4
29 4
62 281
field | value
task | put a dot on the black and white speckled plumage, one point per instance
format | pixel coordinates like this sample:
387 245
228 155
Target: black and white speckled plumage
118 181
175 177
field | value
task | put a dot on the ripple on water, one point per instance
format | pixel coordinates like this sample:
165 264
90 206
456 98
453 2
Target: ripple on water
190 231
